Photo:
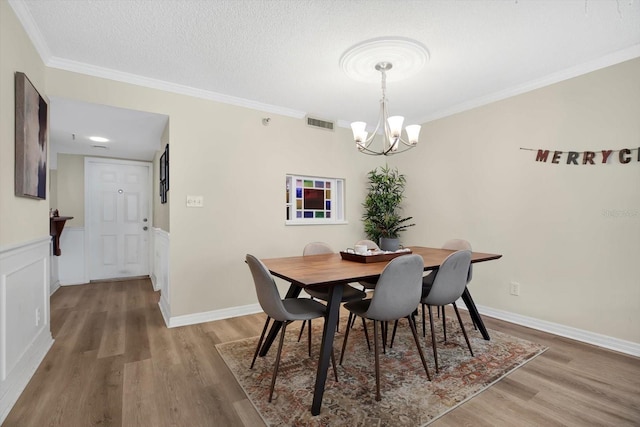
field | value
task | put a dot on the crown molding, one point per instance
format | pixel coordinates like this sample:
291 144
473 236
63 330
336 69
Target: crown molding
120 76
25 18
29 25
566 74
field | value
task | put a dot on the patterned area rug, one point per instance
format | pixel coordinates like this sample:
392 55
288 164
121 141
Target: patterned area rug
408 399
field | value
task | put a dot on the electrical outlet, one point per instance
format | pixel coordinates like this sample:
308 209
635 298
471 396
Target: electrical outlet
514 288
195 201
37 317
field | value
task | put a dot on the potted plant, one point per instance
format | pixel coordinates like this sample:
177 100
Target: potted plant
382 219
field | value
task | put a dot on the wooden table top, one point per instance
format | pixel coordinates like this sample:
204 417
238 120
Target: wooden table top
331 269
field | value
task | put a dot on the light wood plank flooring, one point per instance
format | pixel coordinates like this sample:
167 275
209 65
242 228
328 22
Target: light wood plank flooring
114 363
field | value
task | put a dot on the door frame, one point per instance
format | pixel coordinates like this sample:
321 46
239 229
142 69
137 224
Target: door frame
88 161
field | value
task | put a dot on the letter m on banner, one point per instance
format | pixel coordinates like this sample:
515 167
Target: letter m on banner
542 155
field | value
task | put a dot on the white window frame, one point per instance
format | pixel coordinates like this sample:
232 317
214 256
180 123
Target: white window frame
337 201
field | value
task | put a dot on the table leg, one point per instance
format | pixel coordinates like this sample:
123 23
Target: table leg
326 348
475 315
293 292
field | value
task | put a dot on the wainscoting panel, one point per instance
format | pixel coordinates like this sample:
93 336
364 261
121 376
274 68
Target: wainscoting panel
160 270
25 334
54 276
71 264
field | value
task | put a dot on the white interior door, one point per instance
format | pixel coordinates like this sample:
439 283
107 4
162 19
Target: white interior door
117 217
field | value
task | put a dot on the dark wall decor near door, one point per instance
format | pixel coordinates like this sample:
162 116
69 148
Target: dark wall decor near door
30 140
164 174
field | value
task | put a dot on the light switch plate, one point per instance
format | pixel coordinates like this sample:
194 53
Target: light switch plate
195 201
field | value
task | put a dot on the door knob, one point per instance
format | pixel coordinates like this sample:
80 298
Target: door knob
145 228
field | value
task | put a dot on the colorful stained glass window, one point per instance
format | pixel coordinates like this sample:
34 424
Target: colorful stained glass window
311 200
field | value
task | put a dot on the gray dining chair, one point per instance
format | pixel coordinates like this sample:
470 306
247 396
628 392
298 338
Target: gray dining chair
397 295
448 285
427 281
349 293
281 310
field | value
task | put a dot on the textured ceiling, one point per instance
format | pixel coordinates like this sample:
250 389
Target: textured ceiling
283 55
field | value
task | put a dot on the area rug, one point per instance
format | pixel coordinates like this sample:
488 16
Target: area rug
408 398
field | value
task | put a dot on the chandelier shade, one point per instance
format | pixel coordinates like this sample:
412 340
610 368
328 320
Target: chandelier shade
390 127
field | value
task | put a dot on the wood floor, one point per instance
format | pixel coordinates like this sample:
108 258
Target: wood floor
114 363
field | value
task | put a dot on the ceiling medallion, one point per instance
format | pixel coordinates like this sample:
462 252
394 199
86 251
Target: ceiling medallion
407 56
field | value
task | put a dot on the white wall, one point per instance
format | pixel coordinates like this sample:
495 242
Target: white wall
575 263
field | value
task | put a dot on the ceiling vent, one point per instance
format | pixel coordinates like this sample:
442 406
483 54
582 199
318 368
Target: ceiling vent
318 123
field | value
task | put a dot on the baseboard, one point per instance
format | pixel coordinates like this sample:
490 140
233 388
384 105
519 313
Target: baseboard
19 377
611 343
54 287
164 310
209 316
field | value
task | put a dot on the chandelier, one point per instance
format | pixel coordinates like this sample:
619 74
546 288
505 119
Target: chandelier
392 141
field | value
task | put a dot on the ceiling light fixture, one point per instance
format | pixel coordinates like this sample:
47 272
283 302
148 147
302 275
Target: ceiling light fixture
98 139
391 127
362 62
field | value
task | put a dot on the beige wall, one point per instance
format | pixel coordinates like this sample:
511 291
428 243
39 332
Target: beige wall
576 264
225 154
23 219
467 179
70 188
53 188
160 210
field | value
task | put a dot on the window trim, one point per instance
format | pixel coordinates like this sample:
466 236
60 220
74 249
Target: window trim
337 201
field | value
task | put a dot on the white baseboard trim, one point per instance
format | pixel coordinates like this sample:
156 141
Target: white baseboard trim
75 284
209 316
19 377
611 343
581 335
164 310
54 287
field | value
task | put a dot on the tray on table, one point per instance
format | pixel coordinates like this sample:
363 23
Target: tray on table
347 256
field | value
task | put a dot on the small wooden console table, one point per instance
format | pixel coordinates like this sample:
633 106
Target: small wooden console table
56 224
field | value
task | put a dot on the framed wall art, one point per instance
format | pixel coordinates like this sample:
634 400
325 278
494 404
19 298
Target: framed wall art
31 120
164 174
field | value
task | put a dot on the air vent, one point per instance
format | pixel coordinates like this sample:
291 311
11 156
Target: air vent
318 123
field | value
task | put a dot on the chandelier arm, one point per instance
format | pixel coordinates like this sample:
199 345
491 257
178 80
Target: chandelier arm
390 145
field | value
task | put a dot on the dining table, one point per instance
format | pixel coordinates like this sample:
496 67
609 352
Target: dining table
332 272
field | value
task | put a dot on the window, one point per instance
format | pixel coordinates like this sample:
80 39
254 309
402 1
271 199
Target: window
314 200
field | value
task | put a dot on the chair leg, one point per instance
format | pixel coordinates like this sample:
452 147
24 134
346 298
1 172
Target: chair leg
333 364
376 352
464 332
309 340
433 340
264 330
383 328
366 333
344 341
444 324
412 325
424 325
304 322
393 335
277 364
